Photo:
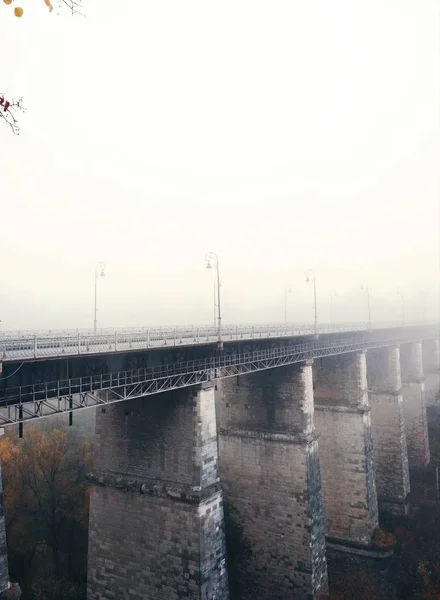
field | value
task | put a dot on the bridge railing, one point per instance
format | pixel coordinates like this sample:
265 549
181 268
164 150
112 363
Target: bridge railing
41 346
23 403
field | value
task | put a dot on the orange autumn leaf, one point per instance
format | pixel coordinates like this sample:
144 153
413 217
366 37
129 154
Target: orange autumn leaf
75 6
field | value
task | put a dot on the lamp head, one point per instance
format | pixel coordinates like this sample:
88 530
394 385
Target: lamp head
208 264
310 276
100 270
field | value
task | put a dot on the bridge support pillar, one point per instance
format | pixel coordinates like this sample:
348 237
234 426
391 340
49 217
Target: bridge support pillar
388 428
156 512
269 466
5 585
413 388
431 371
343 422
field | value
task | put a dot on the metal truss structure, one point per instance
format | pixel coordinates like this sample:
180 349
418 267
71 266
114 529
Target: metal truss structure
27 346
26 403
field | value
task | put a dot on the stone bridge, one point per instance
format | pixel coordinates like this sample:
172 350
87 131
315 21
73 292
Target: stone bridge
293 447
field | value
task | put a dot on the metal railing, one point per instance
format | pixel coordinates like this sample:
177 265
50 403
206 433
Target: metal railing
25 403
23 346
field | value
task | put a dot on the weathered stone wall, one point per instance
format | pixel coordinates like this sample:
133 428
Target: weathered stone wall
388 428
156 515
342 417
269 467
4 573
277 400
12 593
416 424
431 371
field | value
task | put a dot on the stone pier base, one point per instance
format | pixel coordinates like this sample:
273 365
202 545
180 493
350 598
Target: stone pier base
13 592
431 371
156 510
346 449
413 388
388 429
269 466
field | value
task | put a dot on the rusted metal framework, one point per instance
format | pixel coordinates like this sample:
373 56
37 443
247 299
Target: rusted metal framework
26 403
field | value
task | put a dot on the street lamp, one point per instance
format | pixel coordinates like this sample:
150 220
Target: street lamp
287 290
99 272
310 276
332 297
367 290
400 293
212 262
215 304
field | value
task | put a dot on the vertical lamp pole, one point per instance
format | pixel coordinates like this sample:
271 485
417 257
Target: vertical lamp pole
212 261
99 272
332 299
287 290
215 305
400 293
367 291
310 276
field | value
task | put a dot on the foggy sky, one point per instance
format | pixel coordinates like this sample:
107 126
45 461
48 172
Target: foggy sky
283 135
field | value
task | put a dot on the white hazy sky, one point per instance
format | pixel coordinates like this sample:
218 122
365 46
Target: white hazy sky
283 135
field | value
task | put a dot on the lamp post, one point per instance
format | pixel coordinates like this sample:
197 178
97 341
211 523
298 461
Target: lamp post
287 290
212 262
215 305
332 297
310 276
400 293
367 291
99 272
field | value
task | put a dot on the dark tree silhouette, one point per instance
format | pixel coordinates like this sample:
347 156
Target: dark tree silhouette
9 109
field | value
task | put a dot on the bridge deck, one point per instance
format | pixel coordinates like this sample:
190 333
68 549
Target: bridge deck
24 403
26 346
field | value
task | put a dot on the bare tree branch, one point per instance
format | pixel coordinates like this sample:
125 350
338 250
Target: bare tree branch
8 108
75 6
8 111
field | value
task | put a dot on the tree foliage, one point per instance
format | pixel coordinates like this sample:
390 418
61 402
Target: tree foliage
46 510
75 6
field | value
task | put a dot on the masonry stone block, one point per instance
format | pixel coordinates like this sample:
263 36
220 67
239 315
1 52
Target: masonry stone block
388 429
431 371
413 389
343 422
156 513
4 572
269 467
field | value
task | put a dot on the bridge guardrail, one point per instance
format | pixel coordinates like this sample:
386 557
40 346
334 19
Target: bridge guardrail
29 347
28 402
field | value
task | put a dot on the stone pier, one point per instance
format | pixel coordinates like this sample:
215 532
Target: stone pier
269 467
388 428
6 589
416 424
431 371
4 573
156 511
343 423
